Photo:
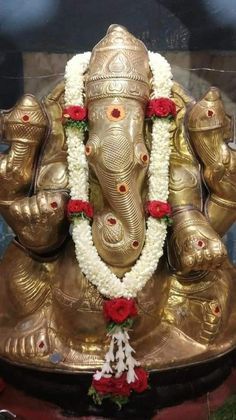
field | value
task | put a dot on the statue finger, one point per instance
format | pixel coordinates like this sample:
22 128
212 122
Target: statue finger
34 209
42 202
16 210
26 211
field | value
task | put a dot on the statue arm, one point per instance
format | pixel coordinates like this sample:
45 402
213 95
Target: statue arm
38 220
193 243
210 131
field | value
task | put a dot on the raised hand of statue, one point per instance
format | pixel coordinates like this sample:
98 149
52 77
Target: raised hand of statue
210 130
23 129
41 216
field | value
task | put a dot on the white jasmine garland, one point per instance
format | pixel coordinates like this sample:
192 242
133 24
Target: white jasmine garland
95 270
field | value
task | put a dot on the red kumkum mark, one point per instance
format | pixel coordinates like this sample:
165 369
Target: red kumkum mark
25 118
41 345
201 244
111 221
54 205
135 244
115 113
122 188
210 113
217 310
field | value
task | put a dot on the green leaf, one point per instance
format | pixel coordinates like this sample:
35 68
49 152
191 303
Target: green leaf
81 125
112 327
119 400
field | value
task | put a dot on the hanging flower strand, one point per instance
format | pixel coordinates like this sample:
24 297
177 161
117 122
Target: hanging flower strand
121 374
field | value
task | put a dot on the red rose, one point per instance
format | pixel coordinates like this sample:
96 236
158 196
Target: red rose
141 382
158 209
76 113
161 107
121 386
112 385
119 309
88 210
79 206
103 385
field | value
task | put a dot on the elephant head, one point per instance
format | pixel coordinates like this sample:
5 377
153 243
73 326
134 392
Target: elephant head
117 90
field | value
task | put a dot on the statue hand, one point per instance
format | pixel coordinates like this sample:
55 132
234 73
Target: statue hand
23 128
194 245
210 130
39 221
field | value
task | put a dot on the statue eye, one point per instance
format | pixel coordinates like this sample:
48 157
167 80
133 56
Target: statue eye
141 154
144 158
88 150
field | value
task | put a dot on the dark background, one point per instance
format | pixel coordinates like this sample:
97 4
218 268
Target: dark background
59 26
76 25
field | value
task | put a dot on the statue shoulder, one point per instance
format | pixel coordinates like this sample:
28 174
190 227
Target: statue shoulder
181 96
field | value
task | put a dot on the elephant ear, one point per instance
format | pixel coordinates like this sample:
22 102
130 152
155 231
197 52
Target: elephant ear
181 148
52 173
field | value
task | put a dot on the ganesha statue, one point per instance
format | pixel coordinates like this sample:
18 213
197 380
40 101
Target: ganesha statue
94 175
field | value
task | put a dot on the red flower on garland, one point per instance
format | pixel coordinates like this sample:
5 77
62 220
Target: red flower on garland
158 209
78 207
112 385
76 113
119 309
103 385
119 386
141 382
161 107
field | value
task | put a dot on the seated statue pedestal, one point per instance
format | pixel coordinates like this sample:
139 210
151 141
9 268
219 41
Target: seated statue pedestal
167 388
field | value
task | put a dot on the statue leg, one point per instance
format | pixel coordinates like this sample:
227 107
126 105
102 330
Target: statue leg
27 304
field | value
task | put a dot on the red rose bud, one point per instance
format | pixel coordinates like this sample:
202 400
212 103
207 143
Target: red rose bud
121 386
161 107
141 382
76 113
112 385
158 209
119 309
79 206
103 386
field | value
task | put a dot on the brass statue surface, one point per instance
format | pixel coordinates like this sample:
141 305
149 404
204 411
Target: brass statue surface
50 315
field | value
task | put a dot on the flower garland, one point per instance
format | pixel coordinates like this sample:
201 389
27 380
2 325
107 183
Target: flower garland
120 373
96 271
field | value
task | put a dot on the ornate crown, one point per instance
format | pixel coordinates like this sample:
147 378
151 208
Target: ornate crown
118 67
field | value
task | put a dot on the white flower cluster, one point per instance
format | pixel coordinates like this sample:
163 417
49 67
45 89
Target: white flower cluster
89 261
162 76
120 355
74 82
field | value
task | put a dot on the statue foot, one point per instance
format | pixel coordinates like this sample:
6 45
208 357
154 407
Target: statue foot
194 245
29 337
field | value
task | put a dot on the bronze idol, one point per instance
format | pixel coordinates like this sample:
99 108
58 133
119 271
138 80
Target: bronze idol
51 315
